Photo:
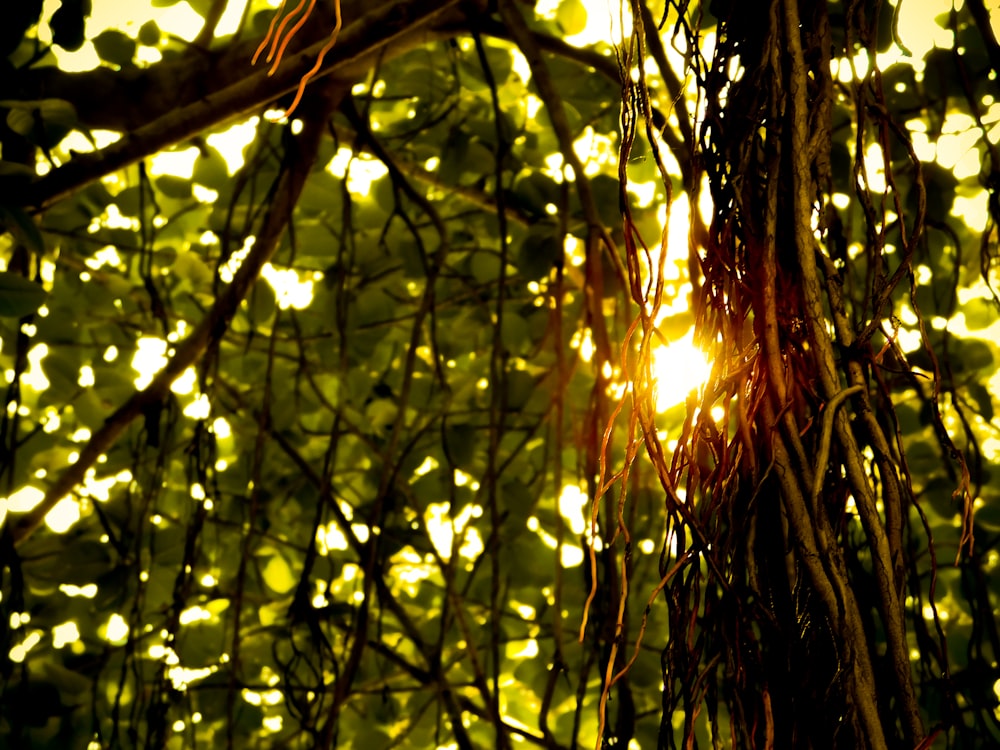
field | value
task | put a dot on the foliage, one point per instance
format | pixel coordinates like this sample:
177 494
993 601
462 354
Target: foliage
343 430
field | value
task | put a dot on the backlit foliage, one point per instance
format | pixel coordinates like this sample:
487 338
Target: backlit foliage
448 379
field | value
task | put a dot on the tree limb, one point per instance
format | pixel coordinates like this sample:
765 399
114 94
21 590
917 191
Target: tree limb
212 18
382 28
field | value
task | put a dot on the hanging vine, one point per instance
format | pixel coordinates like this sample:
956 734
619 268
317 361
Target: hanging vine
787 497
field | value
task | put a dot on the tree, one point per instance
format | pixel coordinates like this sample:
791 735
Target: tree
358 427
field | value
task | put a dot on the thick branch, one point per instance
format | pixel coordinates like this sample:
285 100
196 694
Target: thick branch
376 30
212 327
212 18
127 99
984 23
816 319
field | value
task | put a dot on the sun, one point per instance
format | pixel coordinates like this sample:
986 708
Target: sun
677 369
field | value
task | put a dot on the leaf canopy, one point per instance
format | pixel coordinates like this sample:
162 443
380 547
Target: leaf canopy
340 430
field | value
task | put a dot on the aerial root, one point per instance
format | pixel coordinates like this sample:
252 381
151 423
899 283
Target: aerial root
278 40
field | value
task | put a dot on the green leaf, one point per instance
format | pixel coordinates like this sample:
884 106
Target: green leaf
190 267
980 313
500 62
972 354
460 442
19 296
149 34
18 223
539 252
485 266
516 500
68 23
173 186
606 196
62 368
261 303
72 685
572 16
115 47
211 171
514 333
18 18
278 575
535 191
981 395
520 387
50 117
453 157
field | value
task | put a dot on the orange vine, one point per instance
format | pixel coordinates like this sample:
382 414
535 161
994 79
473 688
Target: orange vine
278 40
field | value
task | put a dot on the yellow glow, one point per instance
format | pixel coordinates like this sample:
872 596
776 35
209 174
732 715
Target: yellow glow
65 634
221 428
290 288
35 377
86 379
185 383
874 172
330 537
232 142
973 211
361 170
572 502
554 166
361 531
462 479
23 500
203 194
442 530
584 340
604 21
228 271
230 21
200 408
919 31
409 569
179 163
116 631
522 650
106 256
272 723
594 150
20 652
100 489
427 465
678 369
89 591
956 148
571 556
194 614
677 240
149 358
181 677
62 517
